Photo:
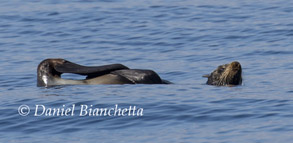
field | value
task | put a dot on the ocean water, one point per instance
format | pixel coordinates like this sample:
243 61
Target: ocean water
180 40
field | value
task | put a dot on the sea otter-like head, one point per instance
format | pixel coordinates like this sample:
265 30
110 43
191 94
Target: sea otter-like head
226 75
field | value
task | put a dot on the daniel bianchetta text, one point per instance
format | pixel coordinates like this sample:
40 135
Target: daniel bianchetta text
87 110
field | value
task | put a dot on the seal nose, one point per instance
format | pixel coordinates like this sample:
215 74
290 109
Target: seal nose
236 66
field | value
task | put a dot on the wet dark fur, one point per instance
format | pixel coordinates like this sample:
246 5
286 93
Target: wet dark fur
51 70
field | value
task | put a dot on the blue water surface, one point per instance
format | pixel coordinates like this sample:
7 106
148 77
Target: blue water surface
180 40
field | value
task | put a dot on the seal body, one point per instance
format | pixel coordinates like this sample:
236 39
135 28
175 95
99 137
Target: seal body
226 75
50 70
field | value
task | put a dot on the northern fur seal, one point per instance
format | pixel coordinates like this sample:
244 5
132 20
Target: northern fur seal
50 70
226 75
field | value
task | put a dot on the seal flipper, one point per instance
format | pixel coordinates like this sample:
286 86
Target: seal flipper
90 71
166 82
139 76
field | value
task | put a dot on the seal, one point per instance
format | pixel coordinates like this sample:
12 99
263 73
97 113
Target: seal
50 70
226 75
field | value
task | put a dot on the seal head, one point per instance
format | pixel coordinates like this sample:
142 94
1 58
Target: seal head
226 75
